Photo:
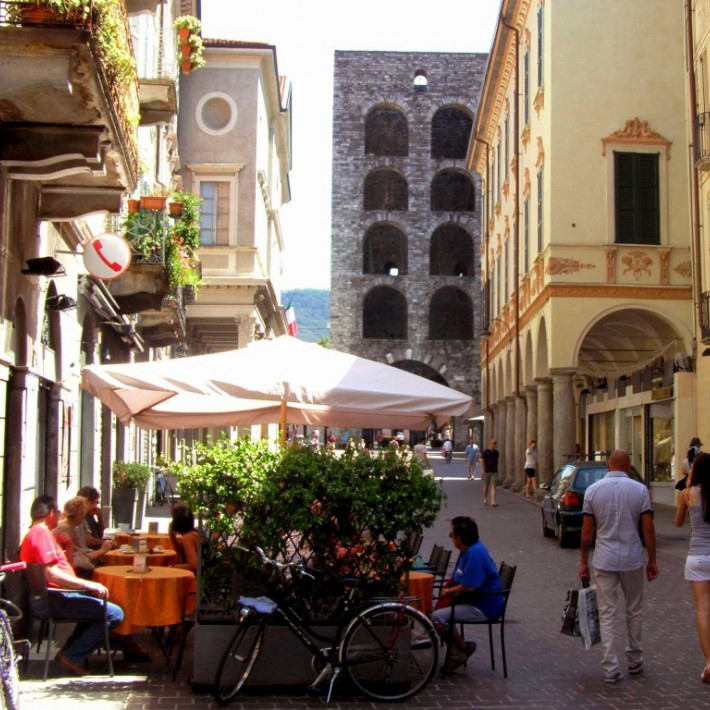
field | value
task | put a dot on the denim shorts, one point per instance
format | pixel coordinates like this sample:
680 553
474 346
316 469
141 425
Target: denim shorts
697 568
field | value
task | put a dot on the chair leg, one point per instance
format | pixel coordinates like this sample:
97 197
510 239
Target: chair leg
48 639
490 645
184 631
502 648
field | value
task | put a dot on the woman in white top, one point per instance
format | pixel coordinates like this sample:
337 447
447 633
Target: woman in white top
531 469
694 501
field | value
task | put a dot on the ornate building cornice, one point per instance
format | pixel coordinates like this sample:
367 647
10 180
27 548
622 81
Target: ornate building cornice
637 132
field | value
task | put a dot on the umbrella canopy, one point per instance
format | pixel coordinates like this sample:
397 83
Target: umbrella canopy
281 380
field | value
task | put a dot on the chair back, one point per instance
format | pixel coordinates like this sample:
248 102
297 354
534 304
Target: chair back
442 565
433 561
507 575
37 581
412 543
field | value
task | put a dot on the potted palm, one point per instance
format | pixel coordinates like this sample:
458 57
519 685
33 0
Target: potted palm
128 495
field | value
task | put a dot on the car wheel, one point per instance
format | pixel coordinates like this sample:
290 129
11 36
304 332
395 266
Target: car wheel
564 537
545 530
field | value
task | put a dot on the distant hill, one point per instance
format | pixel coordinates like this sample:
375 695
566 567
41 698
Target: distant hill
312 308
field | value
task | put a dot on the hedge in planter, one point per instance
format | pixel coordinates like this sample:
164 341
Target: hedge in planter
346 515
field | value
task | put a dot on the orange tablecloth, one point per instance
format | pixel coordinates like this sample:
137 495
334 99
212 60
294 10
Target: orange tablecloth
152 599
421 584
152 538
155 559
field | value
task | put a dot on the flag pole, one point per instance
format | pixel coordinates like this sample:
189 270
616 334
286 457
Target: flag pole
283 424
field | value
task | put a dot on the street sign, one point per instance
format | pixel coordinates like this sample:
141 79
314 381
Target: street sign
107 256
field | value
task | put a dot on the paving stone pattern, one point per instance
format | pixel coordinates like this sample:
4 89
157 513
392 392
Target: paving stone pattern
545 669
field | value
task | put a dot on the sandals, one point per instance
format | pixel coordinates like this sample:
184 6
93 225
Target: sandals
705 675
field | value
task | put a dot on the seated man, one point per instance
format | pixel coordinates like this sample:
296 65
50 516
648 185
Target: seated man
92 528
475 580
40 546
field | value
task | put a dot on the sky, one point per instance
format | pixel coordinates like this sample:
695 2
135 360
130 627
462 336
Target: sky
305 35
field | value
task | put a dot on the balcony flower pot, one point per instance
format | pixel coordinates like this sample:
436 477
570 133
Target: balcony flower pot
134 206
175 209
183 34
153 202
185 51
186 66
36 14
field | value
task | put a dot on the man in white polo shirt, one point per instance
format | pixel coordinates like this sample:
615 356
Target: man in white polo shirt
615 509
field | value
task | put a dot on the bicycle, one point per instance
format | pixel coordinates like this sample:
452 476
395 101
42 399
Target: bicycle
11 651
162 492
388 649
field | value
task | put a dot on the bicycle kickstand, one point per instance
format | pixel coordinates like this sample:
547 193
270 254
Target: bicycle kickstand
328 672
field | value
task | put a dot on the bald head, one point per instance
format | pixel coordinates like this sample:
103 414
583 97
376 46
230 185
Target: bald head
619 461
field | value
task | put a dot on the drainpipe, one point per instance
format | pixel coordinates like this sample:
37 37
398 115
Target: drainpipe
694 191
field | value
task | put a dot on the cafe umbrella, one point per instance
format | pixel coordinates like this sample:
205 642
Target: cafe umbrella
272 381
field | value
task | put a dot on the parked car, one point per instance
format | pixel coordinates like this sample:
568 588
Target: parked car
564 496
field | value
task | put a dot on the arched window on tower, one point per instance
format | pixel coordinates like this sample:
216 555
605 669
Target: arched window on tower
450 315
452 191
451 251
386 190
384 250
386 132
450 134
384 314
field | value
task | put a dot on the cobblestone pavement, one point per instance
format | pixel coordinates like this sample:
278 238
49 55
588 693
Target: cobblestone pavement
545 669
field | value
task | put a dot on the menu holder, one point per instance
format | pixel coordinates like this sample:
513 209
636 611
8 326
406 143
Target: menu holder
153 527
140 564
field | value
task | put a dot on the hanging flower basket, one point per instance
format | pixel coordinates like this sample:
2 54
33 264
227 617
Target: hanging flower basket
185 51
175 209
153 202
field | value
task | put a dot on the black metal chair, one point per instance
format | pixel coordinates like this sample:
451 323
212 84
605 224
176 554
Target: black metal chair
39 591
188 621
507 574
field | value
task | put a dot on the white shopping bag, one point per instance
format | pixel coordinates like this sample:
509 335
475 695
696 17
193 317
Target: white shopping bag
588 616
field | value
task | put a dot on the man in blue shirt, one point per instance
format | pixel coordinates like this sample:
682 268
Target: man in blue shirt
474 589
614 510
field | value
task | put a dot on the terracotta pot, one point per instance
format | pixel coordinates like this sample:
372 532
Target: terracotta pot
183 34
175 208
134 206
37 15
186 66
153 202
185 50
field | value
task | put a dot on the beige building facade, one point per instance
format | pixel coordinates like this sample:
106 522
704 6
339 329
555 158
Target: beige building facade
586 260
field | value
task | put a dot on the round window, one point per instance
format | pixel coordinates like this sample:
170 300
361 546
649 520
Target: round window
216 113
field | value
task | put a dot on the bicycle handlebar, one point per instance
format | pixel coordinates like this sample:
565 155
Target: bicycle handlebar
13 566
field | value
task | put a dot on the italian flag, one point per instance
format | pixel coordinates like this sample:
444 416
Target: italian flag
291 320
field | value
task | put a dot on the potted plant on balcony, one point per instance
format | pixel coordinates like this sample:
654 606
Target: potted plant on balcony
187 25
128 495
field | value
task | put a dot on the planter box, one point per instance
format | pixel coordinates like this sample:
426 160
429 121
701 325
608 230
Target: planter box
124 502
284 660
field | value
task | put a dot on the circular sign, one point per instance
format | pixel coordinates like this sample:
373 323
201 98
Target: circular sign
107 256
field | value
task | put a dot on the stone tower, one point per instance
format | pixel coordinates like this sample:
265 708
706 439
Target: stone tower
405 251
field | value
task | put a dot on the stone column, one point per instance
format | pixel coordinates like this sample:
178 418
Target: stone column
520 446
508 451
499 436
563 419
544 429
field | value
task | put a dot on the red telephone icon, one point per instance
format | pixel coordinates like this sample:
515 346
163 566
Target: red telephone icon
114 266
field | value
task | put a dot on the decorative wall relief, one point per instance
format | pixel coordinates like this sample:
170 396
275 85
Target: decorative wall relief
611 265
557 265
637 262
664 256
684 269
639 132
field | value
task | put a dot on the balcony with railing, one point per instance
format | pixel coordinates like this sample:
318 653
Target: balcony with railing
69 103
705 317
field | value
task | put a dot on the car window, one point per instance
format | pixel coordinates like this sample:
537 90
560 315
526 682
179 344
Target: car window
586 476
561 479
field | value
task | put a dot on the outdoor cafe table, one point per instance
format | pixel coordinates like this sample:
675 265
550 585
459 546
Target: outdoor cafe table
155 559
154 598
421 584
152 539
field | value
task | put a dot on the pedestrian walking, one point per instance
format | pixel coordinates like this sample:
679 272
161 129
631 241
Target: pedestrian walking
473 457
694 502
531 469
490 457
448 449
614 509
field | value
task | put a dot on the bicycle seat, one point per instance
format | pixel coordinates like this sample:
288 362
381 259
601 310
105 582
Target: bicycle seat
263 605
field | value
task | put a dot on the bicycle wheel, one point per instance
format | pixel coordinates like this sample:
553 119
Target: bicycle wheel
390 651
8 666
239 659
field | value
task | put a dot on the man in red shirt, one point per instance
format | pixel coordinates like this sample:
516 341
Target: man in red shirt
40 546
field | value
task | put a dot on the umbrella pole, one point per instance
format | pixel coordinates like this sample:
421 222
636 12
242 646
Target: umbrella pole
283 425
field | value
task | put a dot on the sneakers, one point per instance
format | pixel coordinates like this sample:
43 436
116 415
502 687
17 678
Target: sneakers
460 657
636 668
614 677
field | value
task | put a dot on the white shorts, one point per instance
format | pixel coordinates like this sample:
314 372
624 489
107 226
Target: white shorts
697 568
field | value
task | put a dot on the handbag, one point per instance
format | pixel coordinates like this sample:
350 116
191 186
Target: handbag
588 616
443 601
570 625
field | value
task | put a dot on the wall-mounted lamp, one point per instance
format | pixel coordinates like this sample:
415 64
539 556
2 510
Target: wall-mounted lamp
61 302
44 266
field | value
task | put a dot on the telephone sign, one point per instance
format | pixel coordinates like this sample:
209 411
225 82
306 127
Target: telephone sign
107 256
